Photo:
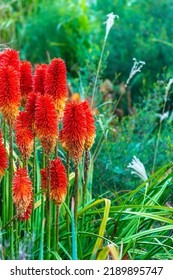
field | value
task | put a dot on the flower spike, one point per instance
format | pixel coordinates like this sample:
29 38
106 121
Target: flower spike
10 57
22 193
91 129
74 129
9 93
24 135
46 122
58 181
39 78
3 156
56 84
25 80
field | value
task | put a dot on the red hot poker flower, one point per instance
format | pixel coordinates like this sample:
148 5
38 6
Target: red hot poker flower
22 193
56 84
10 57
28 212
62 141
3 156
30 107
24 135
74 129
46 122
58 181
9 93
25 80
39 78
91 129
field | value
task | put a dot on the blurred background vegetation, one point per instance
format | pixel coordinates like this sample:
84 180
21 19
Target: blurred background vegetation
74 31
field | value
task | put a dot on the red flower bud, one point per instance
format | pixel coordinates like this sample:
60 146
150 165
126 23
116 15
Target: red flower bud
3 156
56 84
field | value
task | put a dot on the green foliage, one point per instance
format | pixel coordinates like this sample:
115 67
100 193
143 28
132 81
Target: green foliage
133 135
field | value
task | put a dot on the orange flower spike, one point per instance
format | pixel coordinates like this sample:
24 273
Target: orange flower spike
10 57
9 93
43 173
3 156
74 129
46 122
28 212
62 141
56 84
91 129
39 78
30 107
22 193
24 135
58 181
26 81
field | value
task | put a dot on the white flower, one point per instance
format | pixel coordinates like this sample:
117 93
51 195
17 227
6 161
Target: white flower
138 168
109 23
137 66
169 84
168 89
163 116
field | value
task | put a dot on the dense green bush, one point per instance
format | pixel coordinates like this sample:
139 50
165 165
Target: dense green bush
133 135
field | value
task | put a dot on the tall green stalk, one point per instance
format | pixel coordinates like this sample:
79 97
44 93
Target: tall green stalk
68 198
85 177
34 181
76 195
4 183
11 192
55 211
161 121
97 74
57 226
48 231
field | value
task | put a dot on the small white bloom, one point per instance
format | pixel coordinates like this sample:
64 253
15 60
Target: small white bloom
163 116
138 168
168 89
169 84
137 66
109 23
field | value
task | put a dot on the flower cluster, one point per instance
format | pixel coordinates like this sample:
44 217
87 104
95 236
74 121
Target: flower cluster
39 78
22 193
3 156
58 181
56 84
78 130
43 97
24 135
46 122
26 81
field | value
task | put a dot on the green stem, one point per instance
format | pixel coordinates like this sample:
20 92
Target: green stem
48 209
97 74
10 191
68 198
76 195
34 182
85 177
56 149
55 208
67 171
16 239
4 188
9 222
160 124
54 226
57 226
